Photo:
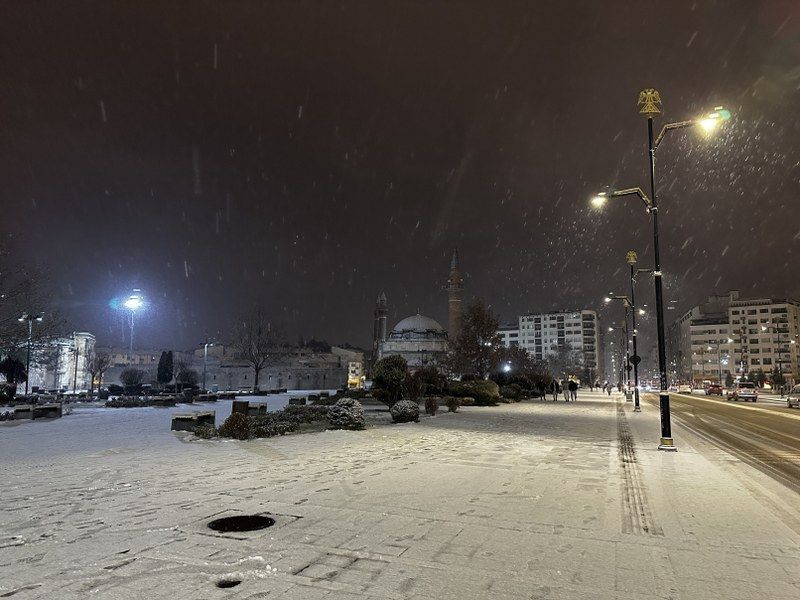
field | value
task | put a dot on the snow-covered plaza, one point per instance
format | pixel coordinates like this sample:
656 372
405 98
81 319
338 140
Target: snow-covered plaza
530 500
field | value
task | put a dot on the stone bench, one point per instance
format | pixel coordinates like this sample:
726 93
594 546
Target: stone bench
297 401
257 408
41 411
251 410
191 421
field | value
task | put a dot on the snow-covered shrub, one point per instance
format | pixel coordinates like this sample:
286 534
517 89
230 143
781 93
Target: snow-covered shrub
347 413
404 411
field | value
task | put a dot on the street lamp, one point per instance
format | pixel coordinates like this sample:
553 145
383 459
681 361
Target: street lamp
205 360
133 303
650 103
628 306
28 318
631 258
626 358
507 368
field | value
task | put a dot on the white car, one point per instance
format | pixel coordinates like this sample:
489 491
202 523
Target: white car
684 388
793 398
744 390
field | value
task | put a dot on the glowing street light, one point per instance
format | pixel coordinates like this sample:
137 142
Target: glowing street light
133 303
650 106
599 200
507 368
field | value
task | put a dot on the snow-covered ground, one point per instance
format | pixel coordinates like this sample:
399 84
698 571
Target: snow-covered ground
94 428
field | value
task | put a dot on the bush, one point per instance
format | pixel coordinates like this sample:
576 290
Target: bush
512 391
413 388
115 390
484 392
356 393
470 377
273 424
7 392
206 432
347 413
316 400
452 403
236 426
431 405
404 411
434 382
389 374
305 414
131 377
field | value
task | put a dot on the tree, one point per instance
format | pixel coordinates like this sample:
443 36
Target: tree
131 377
388 375
778 378
760 378
97 365
728 379
563 361
473 350
25 290
13 370
187 377
258 343
166 368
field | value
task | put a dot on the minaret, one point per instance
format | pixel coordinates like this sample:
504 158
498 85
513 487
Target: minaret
454 287
381 312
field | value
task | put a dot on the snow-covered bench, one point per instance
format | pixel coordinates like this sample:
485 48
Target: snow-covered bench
191 421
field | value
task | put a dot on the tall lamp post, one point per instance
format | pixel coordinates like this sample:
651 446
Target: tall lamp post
624 354
777 330
133 303
29 319
205 361
630 308
629 360
650 103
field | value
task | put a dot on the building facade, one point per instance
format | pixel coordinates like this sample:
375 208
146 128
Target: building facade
543 335
420 340
62 364
728 336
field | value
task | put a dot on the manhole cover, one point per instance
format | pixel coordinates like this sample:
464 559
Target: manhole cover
228 583
241 523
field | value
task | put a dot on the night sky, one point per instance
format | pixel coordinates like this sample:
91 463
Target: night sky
306 155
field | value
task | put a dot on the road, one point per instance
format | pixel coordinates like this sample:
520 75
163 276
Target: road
764 434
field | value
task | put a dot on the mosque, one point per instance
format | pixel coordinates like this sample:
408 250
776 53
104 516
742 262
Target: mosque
421 340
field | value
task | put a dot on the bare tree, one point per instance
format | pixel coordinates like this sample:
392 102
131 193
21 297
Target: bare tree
259 343
472 352
97 365
24 290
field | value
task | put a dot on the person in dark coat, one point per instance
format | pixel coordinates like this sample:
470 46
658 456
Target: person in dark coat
573 390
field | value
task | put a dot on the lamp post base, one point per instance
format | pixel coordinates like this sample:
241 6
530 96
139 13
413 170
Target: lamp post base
667 445
637 409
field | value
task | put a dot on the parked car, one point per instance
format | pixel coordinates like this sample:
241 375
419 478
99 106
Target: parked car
743 391
713 389
793 398
684 388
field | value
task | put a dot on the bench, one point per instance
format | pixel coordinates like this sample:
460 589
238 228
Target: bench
191 421
41 411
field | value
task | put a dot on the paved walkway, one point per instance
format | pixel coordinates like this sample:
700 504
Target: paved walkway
533 500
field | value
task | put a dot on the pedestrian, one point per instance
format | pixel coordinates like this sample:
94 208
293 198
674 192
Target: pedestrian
554 389
608 389
565 389
573 390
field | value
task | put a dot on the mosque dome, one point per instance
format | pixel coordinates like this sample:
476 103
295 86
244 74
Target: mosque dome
418 327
